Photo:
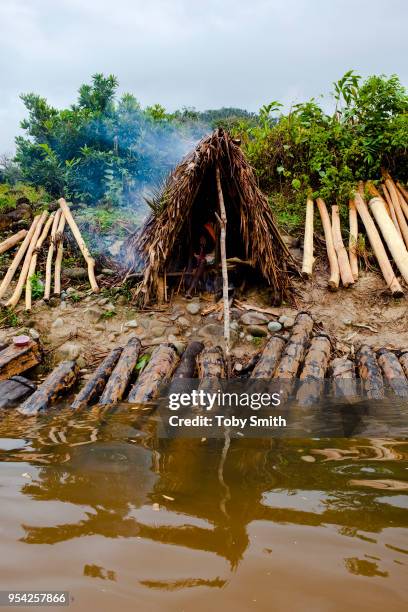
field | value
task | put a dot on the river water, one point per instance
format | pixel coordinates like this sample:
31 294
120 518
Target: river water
99 505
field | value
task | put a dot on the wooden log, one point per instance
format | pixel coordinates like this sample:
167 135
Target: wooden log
370 373
344 378
12 241
187 367
378 247
402 222
346 274
81 243
334 279
223 250
17 359
295 351
33 262
18 257
119 380
353 239
60 250
96 384
391 209
15 390
314 371
403 359
393 372
211 364
308 259
50 255
13 301
61 379
268 362
158 371
392 238
403 198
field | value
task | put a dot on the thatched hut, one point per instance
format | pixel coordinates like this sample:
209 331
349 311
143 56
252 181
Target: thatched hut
163 249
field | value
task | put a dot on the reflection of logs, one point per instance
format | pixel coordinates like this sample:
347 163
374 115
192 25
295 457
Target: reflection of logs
267 364
158 371
187 367
61 379
119 380
370 373
314 371
344 377
393 372
96 384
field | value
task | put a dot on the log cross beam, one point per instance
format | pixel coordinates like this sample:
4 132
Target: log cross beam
222 219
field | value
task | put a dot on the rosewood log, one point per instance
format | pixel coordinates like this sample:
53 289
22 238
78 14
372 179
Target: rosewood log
269 359
96 384
344 378
370 373
393 372
314 371
158 371
187 367
296 347
211 363
119 380
15 390
17 359
61 379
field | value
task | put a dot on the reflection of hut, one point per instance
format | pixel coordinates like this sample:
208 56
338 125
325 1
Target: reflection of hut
163 250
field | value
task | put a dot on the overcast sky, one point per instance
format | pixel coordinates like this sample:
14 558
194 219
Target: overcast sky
202 53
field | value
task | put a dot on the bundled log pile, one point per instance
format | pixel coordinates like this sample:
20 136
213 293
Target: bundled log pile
384 218
44 227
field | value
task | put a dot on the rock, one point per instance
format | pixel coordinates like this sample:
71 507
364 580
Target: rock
108 272
173 330
171 338
112 337
63 305
157 331
242 335
289 323
234 325
81 362
68 351
238 366
75 273
211 331
92 314
115 247
34 333
183 322
179 346
102 301
274 326
71 291
249 338
109 307
53 302
254 318
100 326
58 323
283 318
238 352
122 300
131 324
193 308
257 330
159 340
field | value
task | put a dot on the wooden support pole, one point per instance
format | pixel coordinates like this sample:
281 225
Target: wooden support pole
378 247
50 255
12 241
96 384
158 371
59 239
268 361
392 238
120 377
308 259
60 380
33 262
353 239
331 253
347 277
18 257
81 243
13 301
223 224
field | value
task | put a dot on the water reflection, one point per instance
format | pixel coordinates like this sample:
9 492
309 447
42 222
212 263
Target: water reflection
203 495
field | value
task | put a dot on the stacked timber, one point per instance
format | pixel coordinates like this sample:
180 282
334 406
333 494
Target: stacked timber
383 217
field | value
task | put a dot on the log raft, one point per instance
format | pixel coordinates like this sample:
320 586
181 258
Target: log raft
393 372
344 378
270 357
370 373
60 380
314 371
96 384
120 377
158 371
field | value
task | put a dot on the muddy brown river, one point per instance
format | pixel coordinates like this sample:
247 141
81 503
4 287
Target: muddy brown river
100 506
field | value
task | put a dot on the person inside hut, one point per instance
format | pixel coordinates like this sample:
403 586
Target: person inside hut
204 255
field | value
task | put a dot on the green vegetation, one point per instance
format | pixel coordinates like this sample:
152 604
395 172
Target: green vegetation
9 318
11 196
37 287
